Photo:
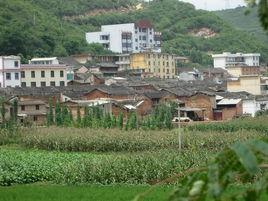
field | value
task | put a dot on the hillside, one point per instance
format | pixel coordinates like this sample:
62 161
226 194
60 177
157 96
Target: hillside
241 21
57 27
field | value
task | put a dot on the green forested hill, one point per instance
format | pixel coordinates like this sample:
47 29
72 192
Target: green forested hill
57 27
241 21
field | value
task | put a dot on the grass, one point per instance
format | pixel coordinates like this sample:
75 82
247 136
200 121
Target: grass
81 193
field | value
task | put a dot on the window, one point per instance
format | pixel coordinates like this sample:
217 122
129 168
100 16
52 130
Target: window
17 76
140 37
33 84
53 84
37 107
16 64
22 74
8 76
263 106
43 73
136 40
143 37
61 73
35 118
151 40
136 48
33 74
23 108
167 71
149 63
43 84
62 83
167 64
23 84
52 73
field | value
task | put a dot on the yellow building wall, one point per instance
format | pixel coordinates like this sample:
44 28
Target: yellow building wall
237 72
250 84
137 61
155 64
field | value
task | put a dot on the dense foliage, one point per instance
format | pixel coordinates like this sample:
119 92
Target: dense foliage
29 29
245 22
95 117
177 20
57 27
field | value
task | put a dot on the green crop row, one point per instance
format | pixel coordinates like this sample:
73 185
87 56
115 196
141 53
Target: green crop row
249 124
23 167
113 140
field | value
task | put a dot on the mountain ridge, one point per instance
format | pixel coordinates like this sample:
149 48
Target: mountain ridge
40 31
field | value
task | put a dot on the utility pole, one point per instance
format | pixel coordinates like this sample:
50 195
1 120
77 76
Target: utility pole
179 125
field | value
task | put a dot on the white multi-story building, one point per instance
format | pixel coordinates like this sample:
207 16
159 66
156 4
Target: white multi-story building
239 59
10 71
127 38
41 72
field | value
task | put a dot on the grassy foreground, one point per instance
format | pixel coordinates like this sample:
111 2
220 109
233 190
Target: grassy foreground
80 193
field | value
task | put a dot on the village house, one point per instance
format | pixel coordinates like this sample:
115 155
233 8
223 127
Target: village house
10 67
32 112
248 83
41 72
204 101
127 38
153 64
227 109
239 59
104 69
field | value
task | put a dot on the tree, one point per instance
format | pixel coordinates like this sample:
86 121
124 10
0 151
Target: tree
78 120
262 11
15 111
58 114
120 120
3 110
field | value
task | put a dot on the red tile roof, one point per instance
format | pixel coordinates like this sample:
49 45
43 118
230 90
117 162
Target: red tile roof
144 24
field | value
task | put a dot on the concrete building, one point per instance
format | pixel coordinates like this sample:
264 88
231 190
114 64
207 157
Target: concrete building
239 59
153 64
248 83
238 71
127 38
123 62
42 72
10 71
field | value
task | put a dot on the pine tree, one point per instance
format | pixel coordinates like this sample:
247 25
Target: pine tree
113 121
15 111
78 120
58 114
120 120
3 111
